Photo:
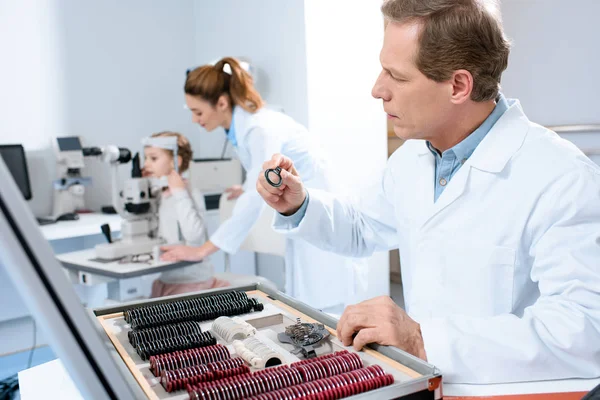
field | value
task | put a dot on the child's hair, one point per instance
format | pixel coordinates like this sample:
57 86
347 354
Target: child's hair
184 149
210 82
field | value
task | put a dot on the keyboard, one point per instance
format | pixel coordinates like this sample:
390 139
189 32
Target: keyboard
45 220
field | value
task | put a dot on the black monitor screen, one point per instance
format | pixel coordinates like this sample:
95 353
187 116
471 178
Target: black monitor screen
68 143
14 158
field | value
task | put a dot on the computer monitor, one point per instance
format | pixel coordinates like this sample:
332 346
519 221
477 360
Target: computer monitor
14 158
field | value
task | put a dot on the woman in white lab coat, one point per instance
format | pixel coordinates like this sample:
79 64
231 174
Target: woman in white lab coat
223 95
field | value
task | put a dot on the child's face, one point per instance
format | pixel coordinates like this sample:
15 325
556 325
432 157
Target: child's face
157 162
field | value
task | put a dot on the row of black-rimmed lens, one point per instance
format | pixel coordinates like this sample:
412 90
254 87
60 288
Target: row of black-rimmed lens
178 379
271 379
179 305
242 386
197 314
188 358
332 388
179 343
163 332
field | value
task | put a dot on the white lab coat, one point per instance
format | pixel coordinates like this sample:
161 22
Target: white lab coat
321 279
503 271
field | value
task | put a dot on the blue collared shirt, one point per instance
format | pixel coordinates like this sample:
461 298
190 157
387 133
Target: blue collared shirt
231 133
449 162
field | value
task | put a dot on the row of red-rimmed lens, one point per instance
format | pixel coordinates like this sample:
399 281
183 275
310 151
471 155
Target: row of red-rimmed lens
196 314
319 358
273 381
318 368
179 379
203 373
178 343
178 305
329 367
188 358
242 386
335 387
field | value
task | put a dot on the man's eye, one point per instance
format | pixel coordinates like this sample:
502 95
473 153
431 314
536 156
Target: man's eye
395 78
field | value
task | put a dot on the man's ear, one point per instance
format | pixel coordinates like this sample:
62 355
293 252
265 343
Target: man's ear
462 86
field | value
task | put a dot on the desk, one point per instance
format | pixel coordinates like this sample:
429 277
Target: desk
51 377
120 278
86 225
63 236
83 260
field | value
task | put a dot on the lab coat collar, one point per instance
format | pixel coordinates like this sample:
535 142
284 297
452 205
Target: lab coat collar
492 154
501 142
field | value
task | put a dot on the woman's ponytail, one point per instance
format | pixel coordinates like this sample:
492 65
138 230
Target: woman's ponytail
210 82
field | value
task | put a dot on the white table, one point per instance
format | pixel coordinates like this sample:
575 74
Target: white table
47 380
63 236
52 378
86 225
86 261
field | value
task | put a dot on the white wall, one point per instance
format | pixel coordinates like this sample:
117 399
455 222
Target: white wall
554 62
111 72
125 65
342 50
32 100
32 109
270 33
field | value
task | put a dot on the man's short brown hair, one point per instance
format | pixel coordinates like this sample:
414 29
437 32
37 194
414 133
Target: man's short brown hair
457 34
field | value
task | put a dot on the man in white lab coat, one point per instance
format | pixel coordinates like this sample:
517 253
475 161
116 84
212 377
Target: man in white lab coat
497 219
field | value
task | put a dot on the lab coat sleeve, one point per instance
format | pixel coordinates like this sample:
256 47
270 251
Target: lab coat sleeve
557 337
232 233
354 229
190 209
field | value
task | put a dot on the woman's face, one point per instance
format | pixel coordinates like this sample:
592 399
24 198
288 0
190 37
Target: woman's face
205 114
157 162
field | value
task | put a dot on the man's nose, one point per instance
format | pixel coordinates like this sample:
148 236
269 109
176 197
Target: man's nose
379 91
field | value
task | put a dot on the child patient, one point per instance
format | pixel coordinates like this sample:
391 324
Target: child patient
180 217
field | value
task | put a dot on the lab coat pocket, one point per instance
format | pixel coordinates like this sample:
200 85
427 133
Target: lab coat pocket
478 280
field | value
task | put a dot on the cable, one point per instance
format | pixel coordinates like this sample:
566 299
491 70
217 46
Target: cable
8 387
34 344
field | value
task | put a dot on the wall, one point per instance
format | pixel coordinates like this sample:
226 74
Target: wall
554 62
32 111
270 33
342 65
32 80
125 63
110 72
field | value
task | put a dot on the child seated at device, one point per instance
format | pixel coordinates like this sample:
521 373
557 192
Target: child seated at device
180 214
